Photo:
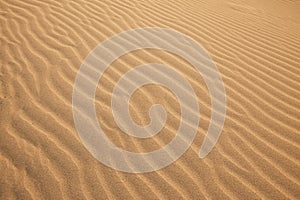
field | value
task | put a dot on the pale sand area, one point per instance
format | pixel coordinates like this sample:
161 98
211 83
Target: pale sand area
256 47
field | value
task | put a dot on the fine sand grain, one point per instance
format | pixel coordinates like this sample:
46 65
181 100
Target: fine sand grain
256 47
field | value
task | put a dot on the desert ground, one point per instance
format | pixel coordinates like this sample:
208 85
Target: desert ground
256 47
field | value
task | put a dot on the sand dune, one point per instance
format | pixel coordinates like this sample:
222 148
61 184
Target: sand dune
256 47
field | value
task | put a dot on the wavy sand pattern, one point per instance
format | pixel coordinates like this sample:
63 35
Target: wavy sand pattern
255 45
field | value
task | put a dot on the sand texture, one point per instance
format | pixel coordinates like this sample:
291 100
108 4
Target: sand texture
256 47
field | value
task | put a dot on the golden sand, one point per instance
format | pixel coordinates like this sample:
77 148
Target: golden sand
256 47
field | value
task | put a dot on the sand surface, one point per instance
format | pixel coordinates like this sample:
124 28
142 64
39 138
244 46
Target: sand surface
256 47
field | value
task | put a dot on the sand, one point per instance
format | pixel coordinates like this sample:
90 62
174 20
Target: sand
256 47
